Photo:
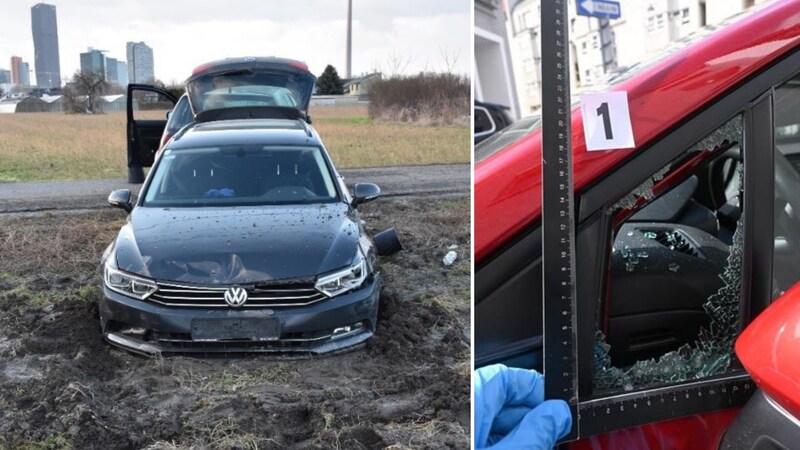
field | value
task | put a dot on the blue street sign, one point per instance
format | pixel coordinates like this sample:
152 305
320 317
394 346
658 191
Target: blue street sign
599 8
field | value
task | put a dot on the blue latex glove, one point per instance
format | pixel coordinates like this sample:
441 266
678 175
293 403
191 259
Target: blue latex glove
511 413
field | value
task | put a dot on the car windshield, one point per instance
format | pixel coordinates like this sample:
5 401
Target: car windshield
241 175
245 88
506 137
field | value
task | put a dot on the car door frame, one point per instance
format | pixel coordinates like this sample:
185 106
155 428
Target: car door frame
142 154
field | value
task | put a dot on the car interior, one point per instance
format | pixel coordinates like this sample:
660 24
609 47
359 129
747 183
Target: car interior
667 261
239 175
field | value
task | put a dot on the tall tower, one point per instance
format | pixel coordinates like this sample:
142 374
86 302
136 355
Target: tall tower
45 45
349 51
140 63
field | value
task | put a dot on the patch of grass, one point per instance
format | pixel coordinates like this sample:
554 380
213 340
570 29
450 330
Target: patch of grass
52 442
66 244
23 293
55 146
459 204
230 382
89 293
225 434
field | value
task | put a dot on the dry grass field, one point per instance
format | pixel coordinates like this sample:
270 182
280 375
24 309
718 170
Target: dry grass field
53 146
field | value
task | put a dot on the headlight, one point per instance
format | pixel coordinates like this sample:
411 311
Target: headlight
343 281
127 284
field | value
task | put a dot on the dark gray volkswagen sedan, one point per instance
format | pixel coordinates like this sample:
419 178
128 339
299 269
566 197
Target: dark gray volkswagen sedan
244 237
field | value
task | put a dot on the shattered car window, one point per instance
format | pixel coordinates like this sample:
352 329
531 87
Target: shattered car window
672 312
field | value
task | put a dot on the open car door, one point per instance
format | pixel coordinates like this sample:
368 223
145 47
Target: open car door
147 107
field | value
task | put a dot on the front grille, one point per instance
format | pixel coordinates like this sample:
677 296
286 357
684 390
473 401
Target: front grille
294 294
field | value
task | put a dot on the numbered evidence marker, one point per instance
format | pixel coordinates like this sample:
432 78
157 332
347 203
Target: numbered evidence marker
606 121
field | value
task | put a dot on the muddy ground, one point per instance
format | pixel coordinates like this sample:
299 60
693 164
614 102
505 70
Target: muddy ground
61 386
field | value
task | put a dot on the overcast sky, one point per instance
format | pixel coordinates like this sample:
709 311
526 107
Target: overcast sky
185 33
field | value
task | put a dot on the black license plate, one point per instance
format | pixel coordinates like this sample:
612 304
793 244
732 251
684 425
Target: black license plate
226 329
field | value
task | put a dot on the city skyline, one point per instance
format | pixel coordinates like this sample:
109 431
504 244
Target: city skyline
313 31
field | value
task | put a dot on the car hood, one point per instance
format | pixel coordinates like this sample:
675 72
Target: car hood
237 245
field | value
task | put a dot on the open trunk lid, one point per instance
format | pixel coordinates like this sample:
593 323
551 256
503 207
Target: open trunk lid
262 87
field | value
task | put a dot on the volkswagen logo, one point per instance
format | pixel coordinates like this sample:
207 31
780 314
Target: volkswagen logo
236 296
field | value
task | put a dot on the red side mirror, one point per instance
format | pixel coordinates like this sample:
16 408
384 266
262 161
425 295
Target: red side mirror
769 348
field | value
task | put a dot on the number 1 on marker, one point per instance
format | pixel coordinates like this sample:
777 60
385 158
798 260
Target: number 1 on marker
602 111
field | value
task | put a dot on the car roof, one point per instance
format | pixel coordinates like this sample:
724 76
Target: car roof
508 183
245 131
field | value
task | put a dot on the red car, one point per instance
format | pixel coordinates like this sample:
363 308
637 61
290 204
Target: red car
681 242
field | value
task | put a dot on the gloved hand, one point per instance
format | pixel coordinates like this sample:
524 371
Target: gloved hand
510 411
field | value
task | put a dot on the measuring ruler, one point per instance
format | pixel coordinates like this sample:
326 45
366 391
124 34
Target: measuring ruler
651 405
558 217
595 413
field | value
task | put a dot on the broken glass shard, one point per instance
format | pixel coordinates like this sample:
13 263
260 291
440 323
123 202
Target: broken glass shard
644 190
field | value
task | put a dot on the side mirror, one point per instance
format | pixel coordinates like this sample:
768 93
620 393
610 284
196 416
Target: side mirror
769 347
365 192
121 198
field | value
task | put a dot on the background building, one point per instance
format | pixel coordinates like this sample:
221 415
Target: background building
601 47
24 74
15 63
493 80
94 61
140 62
122 73
112 76
113 70
45 44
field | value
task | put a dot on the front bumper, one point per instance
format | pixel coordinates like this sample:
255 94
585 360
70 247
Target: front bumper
328 326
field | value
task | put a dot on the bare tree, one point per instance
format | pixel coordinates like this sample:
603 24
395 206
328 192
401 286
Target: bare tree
397 64
82 94
450 58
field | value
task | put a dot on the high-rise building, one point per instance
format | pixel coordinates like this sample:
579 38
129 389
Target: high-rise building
20 72
93 61
140 63
45 44
15 62
111 70
5 76
122 73
24 74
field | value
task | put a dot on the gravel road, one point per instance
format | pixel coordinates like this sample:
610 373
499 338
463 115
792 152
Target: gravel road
18 198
